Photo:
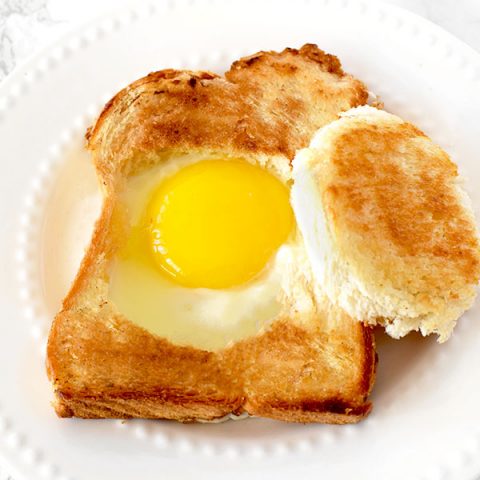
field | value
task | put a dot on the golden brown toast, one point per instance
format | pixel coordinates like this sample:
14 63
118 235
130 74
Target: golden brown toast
401 246
307 367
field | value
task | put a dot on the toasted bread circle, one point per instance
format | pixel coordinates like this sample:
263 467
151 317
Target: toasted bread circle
269 104
312 366
399 244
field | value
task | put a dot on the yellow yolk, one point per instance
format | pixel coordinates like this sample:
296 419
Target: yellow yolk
216 223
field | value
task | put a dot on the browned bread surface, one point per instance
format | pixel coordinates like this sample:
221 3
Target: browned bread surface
104 366
269 104
403 245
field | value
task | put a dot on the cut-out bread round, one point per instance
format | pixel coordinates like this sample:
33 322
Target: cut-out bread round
387 225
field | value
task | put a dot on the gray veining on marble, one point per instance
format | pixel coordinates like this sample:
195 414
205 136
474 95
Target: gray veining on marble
22 24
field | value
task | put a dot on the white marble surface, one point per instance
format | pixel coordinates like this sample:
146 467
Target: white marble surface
29 25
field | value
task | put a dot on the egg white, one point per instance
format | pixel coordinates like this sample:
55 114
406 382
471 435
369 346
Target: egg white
209 319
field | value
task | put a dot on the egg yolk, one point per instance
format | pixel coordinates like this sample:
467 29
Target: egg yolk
216 223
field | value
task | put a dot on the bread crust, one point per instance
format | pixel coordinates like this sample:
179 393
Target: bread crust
268 104
103 366
149 377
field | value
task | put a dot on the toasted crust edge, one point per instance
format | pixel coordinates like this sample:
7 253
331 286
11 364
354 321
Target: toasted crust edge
174 407
332 411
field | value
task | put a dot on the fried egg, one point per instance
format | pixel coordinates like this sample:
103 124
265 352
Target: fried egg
209 252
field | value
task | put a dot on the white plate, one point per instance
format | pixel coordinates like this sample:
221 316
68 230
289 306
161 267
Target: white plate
426 418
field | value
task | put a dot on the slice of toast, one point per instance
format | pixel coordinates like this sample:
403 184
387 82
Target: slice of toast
314 367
